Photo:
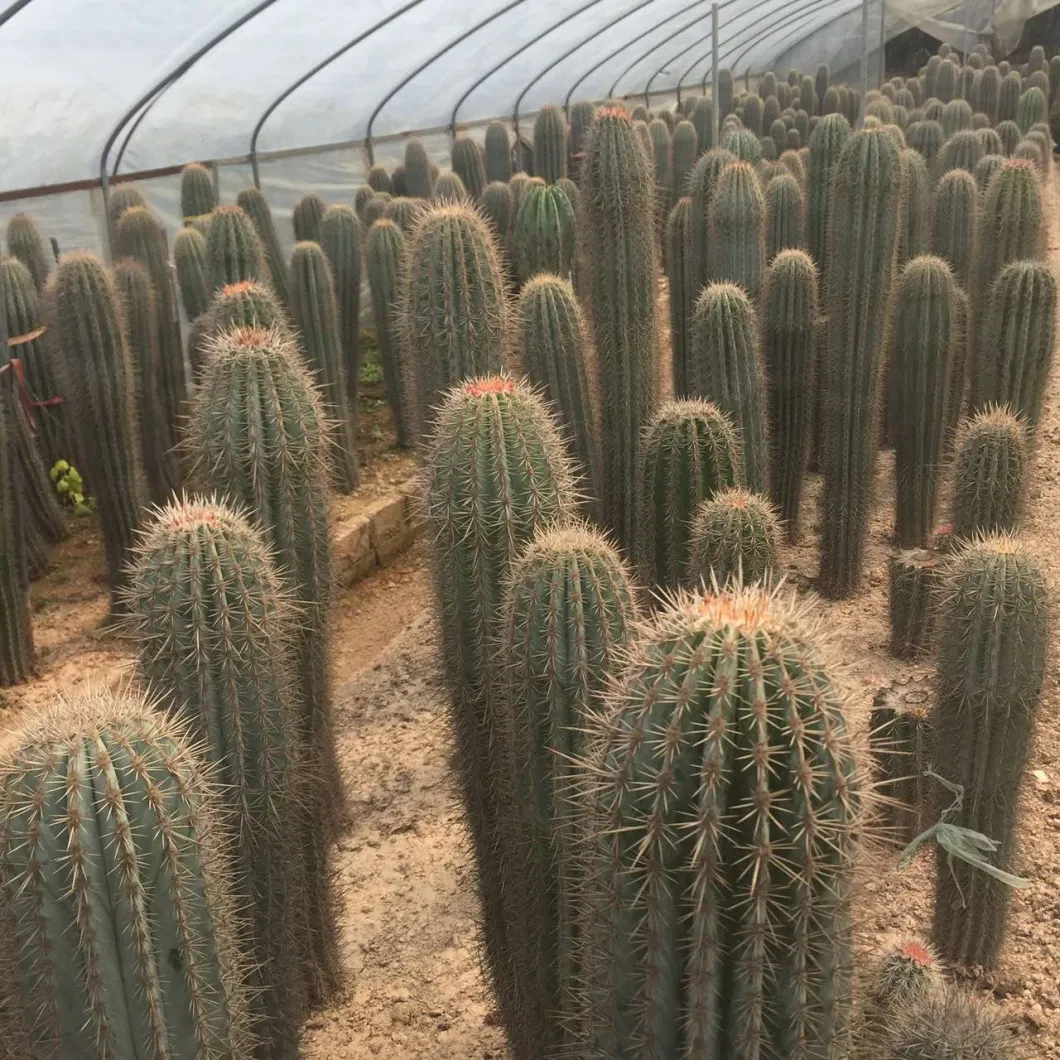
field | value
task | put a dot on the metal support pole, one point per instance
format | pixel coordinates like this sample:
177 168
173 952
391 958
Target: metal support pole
864 60
715 116
216 182
967 27
883 42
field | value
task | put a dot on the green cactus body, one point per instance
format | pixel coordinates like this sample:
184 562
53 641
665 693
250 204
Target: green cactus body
989 93
826 145
157 444
243 305
946 81
660 142
680 285
753 110
404 212
948 1022
736 224
141 236
735 537
582 114
139 849
16 628
789 346
1054 79
783 220
689 452
197 199
615 226
956 117
567 615
449 190
96 380
995 631
831 102
377 206
452 307
544 237
915 236
308 214
399 182
259 436
1009 134
189 258
862 233
990 473
1009 93
821 82
902 974
744 144
963 150
255 206
213 624
724 367
496 474
914 584
703 123
985 172
498 159
384 259
469 164
954 224
25 244
497 210
793 163
361 197
702 186
808 95
1044 144
725 92
706 903
553 344
767 86
341 236
778 133
550 144
684 150
927 138
378 179
317 317
1032 107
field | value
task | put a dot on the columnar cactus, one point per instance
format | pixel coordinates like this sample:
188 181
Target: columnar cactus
995 631
233 250
962 150
404 212
862 233
736 224
96 380
553 344
213 625
497 210
316 316
448 189
25 244
724 367
914 585
724 695
498 153
790 329
783 220
189 258
244 305
384 258
725 92
988 167
752 112
821 82
16 628
308 214
954 224
341 236
197 199
452 307
123 197
361 197
140 849
808 95
744 144
616 225
735 536
927 138
399 182
702 184
826 145
684 150
543 238
946 81
956 117
567 615
703 122
1009 96
689 452
469 164
377 206
991 142
253 204
378 179
550 144
915 237
990 473
581 117
496 474
680 286
1032 107
258 434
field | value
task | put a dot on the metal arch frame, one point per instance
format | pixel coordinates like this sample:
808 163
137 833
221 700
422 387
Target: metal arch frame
808 34
136 125
311 73
13 10
408 79
514 55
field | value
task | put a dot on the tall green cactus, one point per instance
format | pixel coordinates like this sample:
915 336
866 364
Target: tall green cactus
752 111
725 367
1032 107
469 164
581 115
915 237
962 150
197 199
258 434
736 224
233 250
96 380
452 308
550 144
498 153
308 214
543 237
341 239
193 277
703 122
690 451
735 536
746 895
16 627
157 443
862 233
567 615
702 184
1009 93
990 473
790 328
449 190
995 632
316 316
404 212
988 167
378 179
680 287
826 145
377 206
956 117
553 343
244 305
213 624
254 205
24 243
361 197
123 197
497 210
384 259
927 138
616 226
725 92
954 224
496 474
924 342
744 144
783 215
120 940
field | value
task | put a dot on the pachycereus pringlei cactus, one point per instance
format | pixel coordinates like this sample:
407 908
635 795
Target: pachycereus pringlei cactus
679 278
496 472
989 473
826 145
994 638
469 164
307 216
721 804
341 237
197 198
189 258
567 616
119 939
615 225
24 243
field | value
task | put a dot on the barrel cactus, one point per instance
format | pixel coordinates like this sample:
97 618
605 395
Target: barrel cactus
735 536
254 205
914 580
947 1022
543 235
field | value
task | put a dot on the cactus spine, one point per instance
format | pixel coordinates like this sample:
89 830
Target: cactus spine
995 619
197 199
543 237
254 205
735 538
385 255
308 214
990 473
24 243
867 189
498 153
232 249
469 164
341 235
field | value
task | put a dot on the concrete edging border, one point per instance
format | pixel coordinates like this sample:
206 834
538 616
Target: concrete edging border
375 537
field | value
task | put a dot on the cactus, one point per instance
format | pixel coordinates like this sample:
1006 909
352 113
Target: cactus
927 138
616 226
680 288
496 474
377 206
990 473
783 220
469 164
16 629
703 122
956 117
581 117
243 305
378 179
140 849
954 224
543 235
1054 79
924 340
736 224
341 238
1033 107
361 197
988 93
684 151
497 210
901 975
862 232
452 308
984 173
995 631
915 235
914 583
399 182
946 81
767 85
316 315
778 133
25 244
96 379
550 144
963 150
257 432
141 236
734 537
753 110
157 444
1044 144
254 205
991 142
123 197
789 346
308 213
724 367
826 145
567 615
1008 132
189 258
449 190
498 160
676 836
947 1022
385 254
702 186
821 82
213 624
553 345
689 452
808 95
725 92
404 212
1008 98
744 144
197 199
792 162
